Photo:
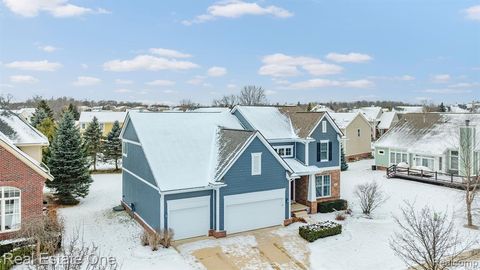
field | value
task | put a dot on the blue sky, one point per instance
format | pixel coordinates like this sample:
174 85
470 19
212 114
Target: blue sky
298 50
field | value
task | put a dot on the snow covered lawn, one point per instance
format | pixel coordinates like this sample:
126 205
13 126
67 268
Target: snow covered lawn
116 233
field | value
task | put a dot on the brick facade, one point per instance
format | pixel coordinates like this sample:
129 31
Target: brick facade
358 157
15 173
301 190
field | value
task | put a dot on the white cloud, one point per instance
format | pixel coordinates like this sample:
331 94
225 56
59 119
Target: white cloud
473 13
169 91
197 80
23 79
161 83
86 81
463 85
48 48
148 62
349 58
44 65
231 86
406 78
446 91
441 78
121 81
57 8
216 71
169 53
281 65
122 90
236 9
321 83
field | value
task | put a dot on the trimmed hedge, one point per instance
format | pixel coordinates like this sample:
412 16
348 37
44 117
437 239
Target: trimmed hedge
331 206
315 231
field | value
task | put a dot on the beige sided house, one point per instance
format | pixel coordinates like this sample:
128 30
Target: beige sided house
105 120
373 115
357 134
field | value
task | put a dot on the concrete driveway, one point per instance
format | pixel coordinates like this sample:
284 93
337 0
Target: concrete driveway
271 248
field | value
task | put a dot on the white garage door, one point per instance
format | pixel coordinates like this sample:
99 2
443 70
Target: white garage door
189 217
249 211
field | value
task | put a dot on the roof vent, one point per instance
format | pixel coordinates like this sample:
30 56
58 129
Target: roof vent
467 122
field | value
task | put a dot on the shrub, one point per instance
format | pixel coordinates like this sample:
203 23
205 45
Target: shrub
340 216
144 238
331 206
167 238
7 260
315 231
154 240
371 196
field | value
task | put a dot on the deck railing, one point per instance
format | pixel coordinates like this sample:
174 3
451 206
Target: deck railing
447 179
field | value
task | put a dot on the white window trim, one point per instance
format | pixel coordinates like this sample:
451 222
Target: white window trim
125 149
322 176
259 158
450 160
397 152
359 132
2 201
285 147
324 126
328 150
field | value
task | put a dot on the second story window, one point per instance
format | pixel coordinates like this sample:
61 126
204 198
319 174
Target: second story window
323 151
324 126
358 132
256 163
454 160
284 151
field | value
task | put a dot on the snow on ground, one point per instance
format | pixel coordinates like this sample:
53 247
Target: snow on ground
364 243
116 233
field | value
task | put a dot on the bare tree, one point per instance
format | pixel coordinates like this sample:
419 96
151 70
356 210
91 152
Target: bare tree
187 104
5 101
226 101
370 196
427 239
252 95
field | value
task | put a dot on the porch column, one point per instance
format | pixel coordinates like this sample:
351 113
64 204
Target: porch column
312 195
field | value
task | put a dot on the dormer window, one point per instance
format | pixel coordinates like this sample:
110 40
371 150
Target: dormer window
284 150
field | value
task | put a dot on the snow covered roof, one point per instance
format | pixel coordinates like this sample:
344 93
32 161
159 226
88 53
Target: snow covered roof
18 131
102 116
272 123
301 169
428 133
37 166
387 120
371 113
343 119
321 108
183 148
457 109
212 109
230 143
409 109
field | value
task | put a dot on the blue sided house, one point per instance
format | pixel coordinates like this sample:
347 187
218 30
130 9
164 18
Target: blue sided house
219 172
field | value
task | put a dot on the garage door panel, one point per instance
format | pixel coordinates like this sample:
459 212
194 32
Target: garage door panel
255 210
187 219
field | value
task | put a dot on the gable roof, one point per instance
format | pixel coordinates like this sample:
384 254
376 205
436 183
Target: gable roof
372 113
230 143
102 116
428 133
304 123
18 131
409 109
268 120
344 119
387 120
29 161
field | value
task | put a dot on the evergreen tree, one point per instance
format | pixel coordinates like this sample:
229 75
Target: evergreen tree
442 108
68 163
38 116
309 107
344 165
47 127
73 109
93 141
43 105
113 145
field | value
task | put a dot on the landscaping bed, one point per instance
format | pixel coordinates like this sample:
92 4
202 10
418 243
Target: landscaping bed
323 229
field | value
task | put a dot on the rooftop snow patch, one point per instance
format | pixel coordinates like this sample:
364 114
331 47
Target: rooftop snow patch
182 149
103 117
371 113
428 133
269 121
386 120
343 119
18 131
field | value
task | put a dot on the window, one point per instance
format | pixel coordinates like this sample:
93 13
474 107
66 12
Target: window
398 157
324 151
454 160
381 152
440 163
10 217
425 162
125 149
324 126
323 186
284 151
358 132
256 163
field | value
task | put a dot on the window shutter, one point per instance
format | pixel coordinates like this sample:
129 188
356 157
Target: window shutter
330 150
256 163
318 151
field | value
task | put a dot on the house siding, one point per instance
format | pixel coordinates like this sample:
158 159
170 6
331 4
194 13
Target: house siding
356 145
130 133
136 162
145 198
382 160
300 151
171 197
285 144
239 179
332 136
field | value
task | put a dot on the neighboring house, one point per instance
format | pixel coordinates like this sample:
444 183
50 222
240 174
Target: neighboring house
214 170
373 115
22 175
408 109
105 119
321 108
22 134
25 113
387 121
357 140
427 140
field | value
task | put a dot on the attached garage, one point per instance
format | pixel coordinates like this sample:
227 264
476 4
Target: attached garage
189 217
250 211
